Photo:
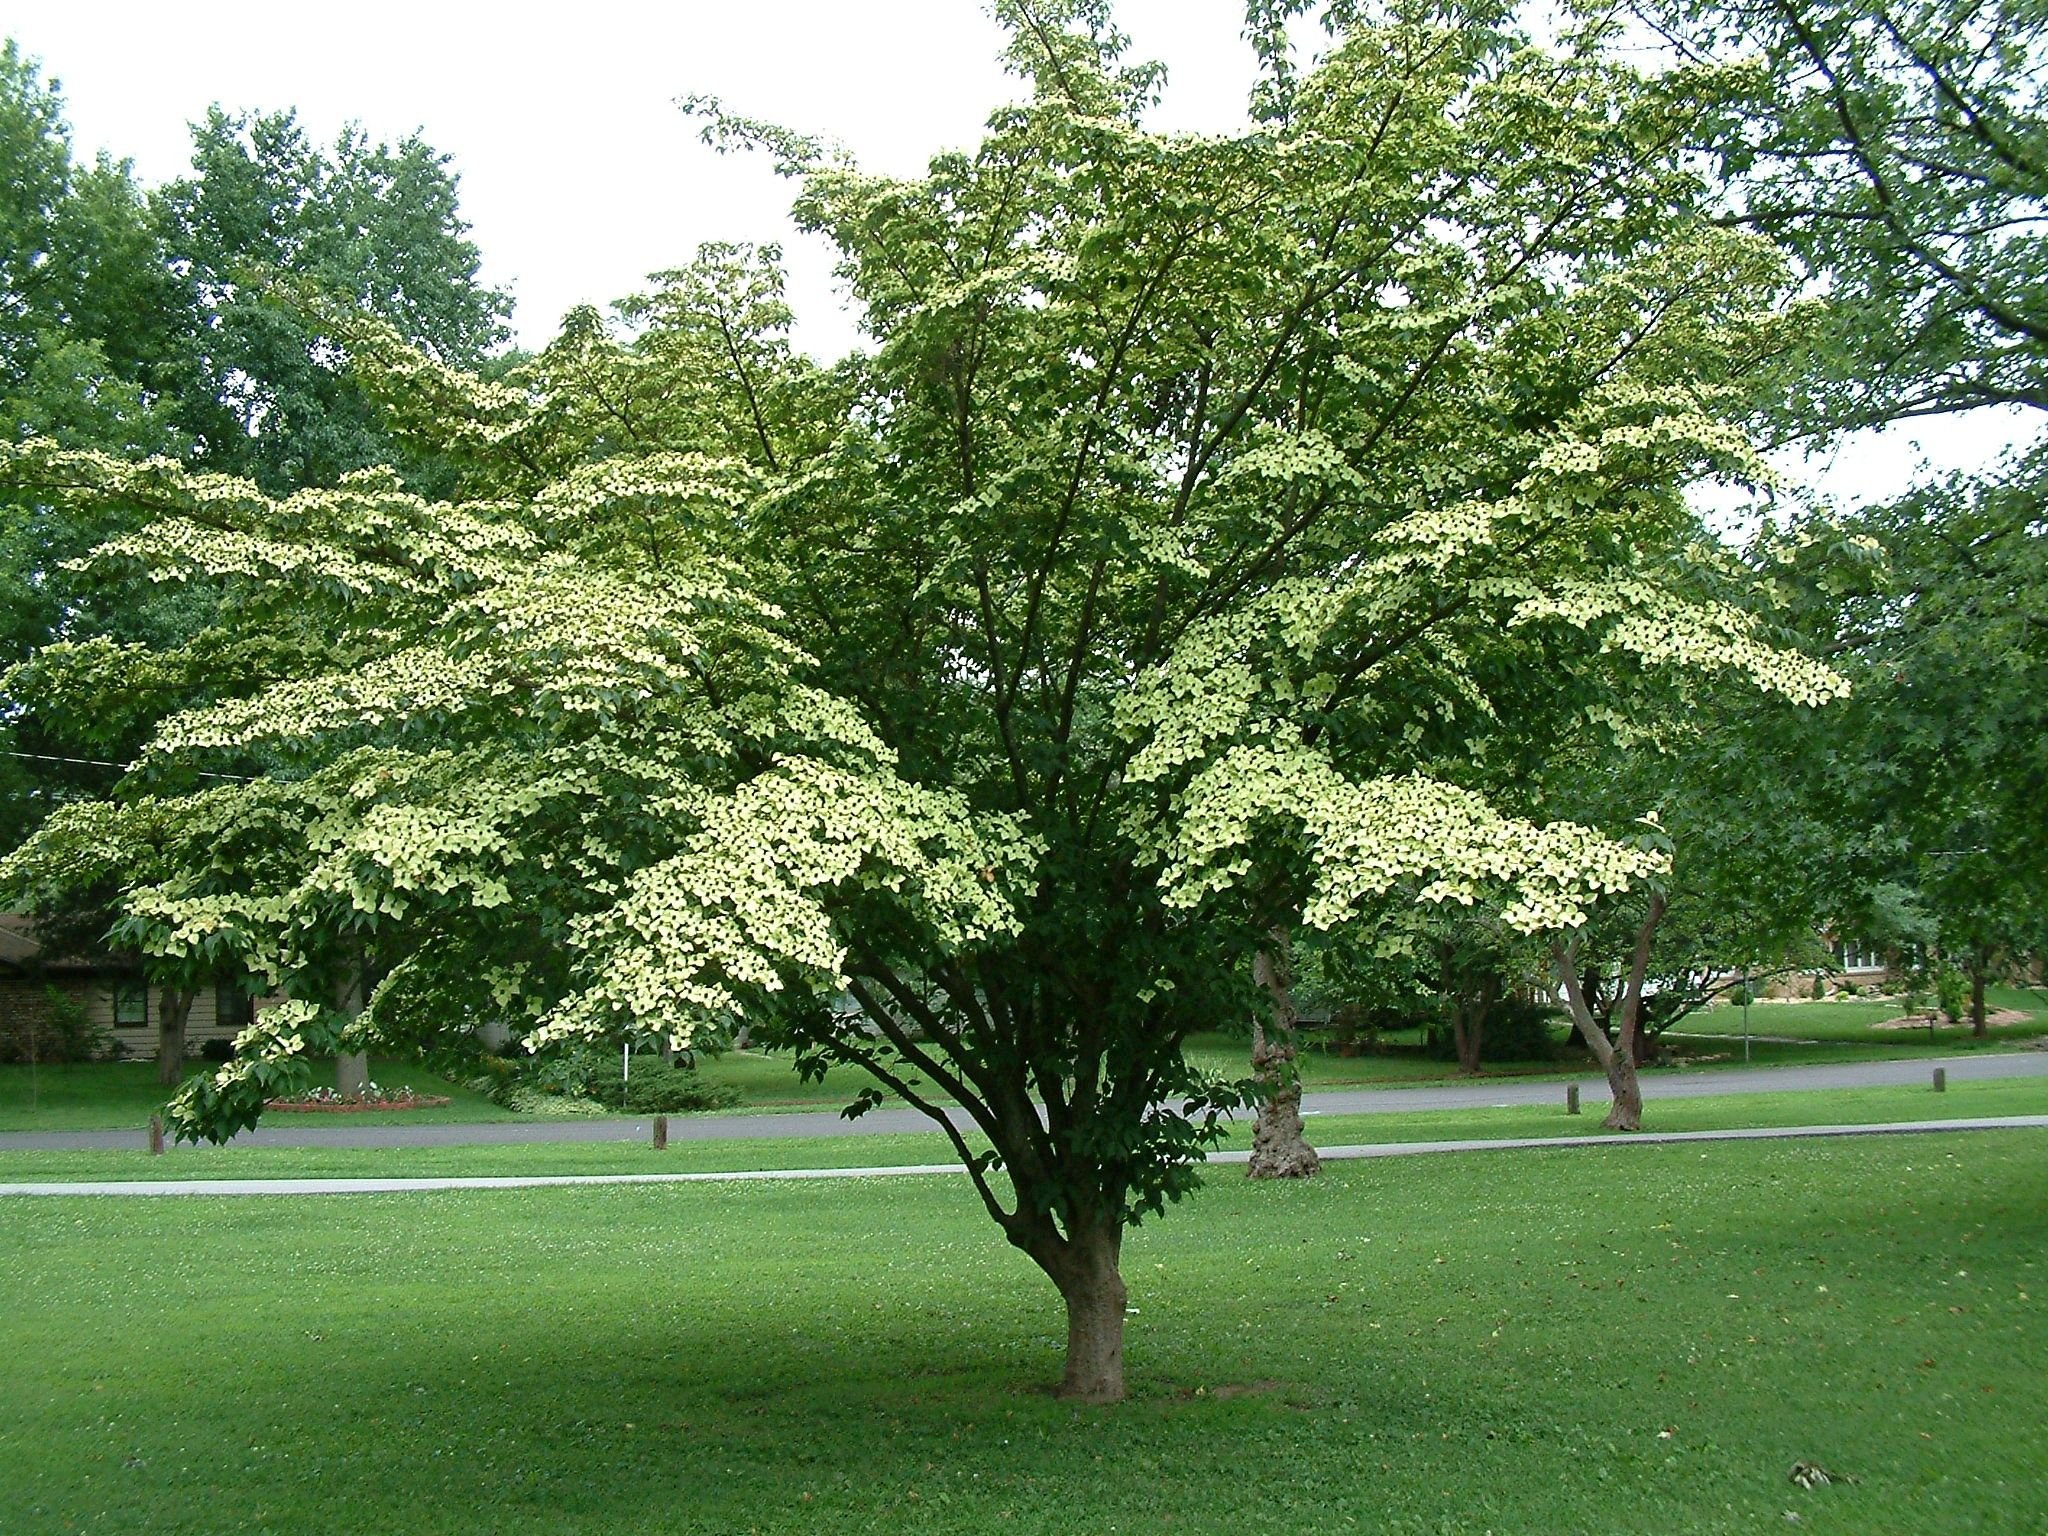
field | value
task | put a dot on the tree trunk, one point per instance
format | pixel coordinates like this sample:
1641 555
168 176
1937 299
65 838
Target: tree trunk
1280 1148
1979 1023
1469 1014
1466 1039
1619 1065
1084 1267
1626 1114
175 1008
351 1070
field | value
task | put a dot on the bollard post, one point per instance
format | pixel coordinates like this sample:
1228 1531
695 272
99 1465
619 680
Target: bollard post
661 1133
156 1135
1571 1098
1941 1079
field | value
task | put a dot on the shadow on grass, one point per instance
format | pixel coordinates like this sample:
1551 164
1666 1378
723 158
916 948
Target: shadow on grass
1480 1342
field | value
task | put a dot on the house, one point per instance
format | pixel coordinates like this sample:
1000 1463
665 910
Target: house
109 1001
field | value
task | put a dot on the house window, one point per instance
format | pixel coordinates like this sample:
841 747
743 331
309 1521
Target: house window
131 1004
233 1008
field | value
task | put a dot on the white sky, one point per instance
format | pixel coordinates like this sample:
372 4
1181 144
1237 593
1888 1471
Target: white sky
580 176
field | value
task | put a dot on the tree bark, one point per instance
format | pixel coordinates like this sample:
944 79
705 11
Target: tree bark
1468 1012
1095 1326
176 1007
1979 1022
1280 1148
1084 1267
1619 1065
352 1069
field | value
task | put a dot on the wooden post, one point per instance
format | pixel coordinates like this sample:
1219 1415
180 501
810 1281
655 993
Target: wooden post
661 1133
1941 1079
156 1135
1571 1098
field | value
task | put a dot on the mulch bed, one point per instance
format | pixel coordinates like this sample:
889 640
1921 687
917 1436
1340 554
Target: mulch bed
1999 1020
353 1106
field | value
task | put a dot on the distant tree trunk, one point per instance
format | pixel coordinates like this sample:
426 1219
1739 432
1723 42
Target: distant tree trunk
1616 1058
1084 1267
170 1035
1468 1012
352 1069
1280 1148
1642 1044
1980 1022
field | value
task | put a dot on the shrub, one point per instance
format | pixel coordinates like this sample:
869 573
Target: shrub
1355 1028
56 1029
217 1051
1517 1030
553 1106
1952 993
666 1090
1514 1031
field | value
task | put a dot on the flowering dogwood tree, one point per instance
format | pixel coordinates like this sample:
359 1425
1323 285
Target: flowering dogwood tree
1204 520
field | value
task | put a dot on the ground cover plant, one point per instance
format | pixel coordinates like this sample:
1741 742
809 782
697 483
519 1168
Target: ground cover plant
1444 1345
632 1153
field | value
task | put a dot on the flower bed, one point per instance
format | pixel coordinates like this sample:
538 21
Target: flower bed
327 1101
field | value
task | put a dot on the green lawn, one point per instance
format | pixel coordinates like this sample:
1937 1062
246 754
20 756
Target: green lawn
122 1095
1850 1019
1844 1106
1507 1342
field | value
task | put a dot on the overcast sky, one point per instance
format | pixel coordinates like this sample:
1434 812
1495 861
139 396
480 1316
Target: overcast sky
580 176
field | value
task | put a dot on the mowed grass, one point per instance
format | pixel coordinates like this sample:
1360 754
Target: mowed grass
122 1095
1990 1099
1847 1019
1545 1342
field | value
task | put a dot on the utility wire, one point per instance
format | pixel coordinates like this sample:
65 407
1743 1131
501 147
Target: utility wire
100 762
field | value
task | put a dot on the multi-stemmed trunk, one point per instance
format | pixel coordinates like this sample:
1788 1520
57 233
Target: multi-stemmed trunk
170 1035
1617 1058
1280 1148
1468 1011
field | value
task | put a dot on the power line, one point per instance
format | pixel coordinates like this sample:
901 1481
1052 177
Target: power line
100 762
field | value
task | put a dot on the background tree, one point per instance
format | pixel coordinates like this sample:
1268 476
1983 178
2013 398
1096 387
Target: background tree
1935 605
372 228
1900 153
90 357
186 322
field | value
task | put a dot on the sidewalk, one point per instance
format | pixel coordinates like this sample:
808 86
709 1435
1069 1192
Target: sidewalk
1330 1154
